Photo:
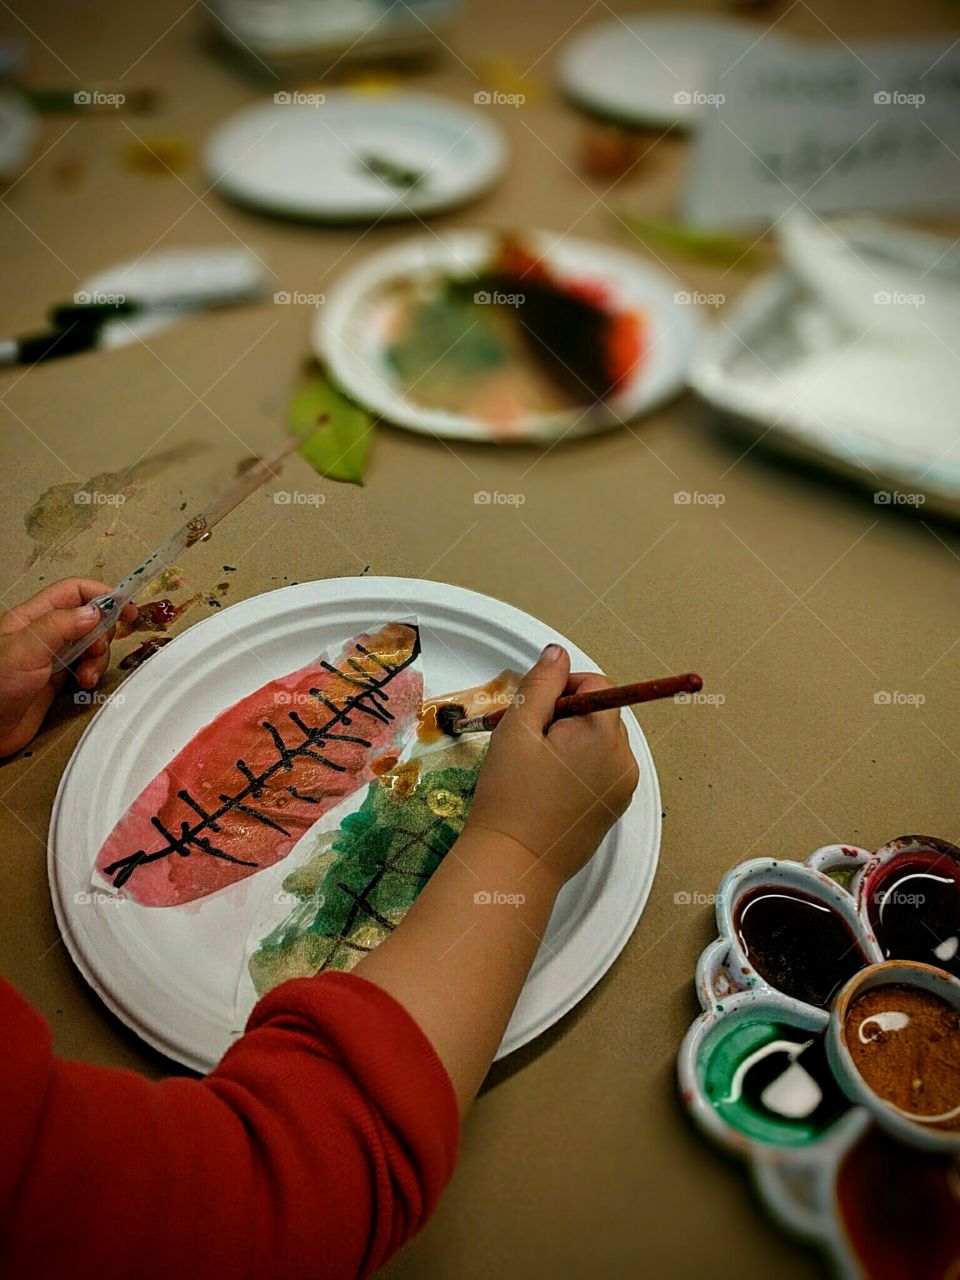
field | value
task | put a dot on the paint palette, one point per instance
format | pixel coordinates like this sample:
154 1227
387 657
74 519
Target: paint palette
828 1051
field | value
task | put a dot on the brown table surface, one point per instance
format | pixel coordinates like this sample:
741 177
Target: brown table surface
796 599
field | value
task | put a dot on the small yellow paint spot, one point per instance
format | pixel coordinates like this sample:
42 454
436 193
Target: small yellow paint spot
445 804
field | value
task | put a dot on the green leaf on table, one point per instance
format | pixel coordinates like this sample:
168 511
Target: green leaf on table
696 242
340 445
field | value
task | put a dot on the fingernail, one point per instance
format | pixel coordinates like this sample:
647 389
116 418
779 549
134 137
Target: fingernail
552 653
87 612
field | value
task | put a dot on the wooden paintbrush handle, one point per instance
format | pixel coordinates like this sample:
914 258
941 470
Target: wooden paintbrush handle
624 695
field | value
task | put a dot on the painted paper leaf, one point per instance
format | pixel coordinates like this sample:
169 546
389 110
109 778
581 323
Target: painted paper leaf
711 246
366 875
339 448
249 784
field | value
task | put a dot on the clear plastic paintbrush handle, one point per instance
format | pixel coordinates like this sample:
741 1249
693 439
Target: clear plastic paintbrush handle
110 607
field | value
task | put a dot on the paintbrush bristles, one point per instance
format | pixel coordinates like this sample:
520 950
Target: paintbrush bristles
448 716
576 704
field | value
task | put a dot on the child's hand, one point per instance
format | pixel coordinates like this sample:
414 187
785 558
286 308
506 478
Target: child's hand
555 789
31 634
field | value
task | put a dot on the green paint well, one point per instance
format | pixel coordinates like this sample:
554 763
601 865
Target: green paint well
769 1081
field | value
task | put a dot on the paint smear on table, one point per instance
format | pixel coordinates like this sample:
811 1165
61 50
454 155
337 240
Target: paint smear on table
247 786
362 878
65 510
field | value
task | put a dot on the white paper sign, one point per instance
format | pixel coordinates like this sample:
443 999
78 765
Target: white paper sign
831 127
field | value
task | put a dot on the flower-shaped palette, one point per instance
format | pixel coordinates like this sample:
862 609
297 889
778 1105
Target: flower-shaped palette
828 1052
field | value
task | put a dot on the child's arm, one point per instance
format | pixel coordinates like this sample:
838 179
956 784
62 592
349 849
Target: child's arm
546 796
323 1139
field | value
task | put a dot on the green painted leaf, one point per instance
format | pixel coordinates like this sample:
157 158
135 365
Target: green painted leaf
340 447
693 241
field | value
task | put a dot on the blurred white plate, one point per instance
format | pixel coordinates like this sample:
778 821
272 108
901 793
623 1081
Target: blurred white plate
300 30
648 69
350 333
171 973
307 161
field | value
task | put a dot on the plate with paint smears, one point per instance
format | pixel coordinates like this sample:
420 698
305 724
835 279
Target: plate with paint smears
464 380
349 156
171 973
827 1054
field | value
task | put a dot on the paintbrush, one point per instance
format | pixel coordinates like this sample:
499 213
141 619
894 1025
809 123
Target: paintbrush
196 529
453 721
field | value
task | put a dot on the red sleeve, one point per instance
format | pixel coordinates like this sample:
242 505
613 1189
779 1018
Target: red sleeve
318 1146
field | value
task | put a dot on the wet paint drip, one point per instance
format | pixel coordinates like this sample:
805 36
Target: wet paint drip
477 700
170 580
140 655
800 946
905 1042
157 615
198 531
900 1209
771 1082
914 907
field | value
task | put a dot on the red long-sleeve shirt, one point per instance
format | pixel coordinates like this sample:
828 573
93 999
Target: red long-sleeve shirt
318 1146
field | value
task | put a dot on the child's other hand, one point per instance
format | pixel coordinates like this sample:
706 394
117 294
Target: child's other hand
31 634
555 789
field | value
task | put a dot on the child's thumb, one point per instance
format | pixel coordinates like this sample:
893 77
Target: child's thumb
34 647
542 686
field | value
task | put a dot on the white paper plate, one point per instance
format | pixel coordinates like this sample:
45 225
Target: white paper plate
171 973
646 69
306 161
349 332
